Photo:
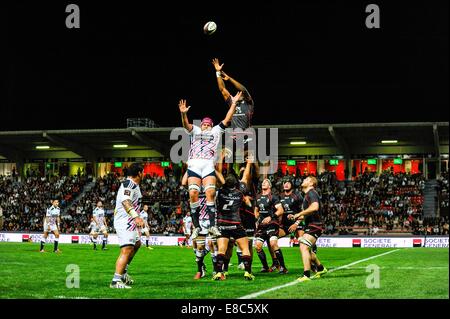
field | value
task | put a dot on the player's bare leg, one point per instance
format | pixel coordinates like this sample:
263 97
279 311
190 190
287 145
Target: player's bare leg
275 263
278 254
222 244
55 247
93 238
243 245
121 264
43 242
228 255
306 242
200 254
262 255
105 240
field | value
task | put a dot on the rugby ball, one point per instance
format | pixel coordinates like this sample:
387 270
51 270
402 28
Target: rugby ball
210 27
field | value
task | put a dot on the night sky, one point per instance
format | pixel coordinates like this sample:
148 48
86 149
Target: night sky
302 61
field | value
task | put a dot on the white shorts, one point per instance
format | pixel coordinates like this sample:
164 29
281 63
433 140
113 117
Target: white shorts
187 232
204 225
127 237
51 227
103 229
94 231
144 230
201 167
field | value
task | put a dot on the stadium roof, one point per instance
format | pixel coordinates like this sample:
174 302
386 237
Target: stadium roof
353 140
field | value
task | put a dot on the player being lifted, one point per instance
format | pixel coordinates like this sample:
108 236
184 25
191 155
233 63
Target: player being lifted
51 224
201 171
146 229
312 214
100 219
126 221
268 212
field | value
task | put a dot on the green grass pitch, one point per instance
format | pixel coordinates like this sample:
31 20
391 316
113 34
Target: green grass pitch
167 273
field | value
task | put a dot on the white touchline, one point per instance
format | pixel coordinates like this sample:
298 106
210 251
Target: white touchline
262 292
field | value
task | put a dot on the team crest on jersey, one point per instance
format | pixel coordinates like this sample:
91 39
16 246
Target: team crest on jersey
127 192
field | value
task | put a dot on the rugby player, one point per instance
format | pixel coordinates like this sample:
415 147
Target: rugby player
126 221
312 215
268 212
201 171
100 219
146 229
51 224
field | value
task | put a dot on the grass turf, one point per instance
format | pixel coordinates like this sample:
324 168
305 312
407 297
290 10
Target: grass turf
167 272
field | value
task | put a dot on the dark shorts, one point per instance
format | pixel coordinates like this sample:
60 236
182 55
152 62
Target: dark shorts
250 232
264 233
313 230
286 226
232 231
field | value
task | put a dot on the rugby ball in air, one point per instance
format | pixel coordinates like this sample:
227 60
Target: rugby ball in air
210 27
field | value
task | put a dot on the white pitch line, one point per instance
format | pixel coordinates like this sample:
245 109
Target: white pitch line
262 292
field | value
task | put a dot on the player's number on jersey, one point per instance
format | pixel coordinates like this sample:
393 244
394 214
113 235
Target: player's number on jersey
226 206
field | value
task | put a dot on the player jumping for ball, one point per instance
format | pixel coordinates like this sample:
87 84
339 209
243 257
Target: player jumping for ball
201 171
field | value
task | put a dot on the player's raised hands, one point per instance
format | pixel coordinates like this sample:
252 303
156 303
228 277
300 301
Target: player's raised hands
217 65
225 76
236 98
183 107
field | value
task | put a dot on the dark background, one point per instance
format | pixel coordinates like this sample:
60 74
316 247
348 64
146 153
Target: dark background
302 61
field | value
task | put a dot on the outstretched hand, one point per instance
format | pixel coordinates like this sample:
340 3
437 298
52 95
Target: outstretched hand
217 65
236 98
225 76
183 108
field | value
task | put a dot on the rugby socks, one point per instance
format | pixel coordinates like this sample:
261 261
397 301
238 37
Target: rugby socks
195 213
214 259
116 278
199 259
146 242
56 244
247 260
104 243
319 267
42 244
211 211
219 263
307 273
126 269
280 257
226 262
262 257
239 255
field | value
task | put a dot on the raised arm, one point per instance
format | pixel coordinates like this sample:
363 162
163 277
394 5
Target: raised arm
246 177
238 86
220 81
184 119
232 108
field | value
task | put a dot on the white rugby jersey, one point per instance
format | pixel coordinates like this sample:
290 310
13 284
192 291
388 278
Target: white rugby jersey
52 214
92 225
144 216
128 190
204 144
187 222
99 213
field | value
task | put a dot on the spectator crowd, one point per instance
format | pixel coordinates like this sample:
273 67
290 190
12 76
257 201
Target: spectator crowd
370 204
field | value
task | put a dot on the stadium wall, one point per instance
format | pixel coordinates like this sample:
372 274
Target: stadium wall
324 241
